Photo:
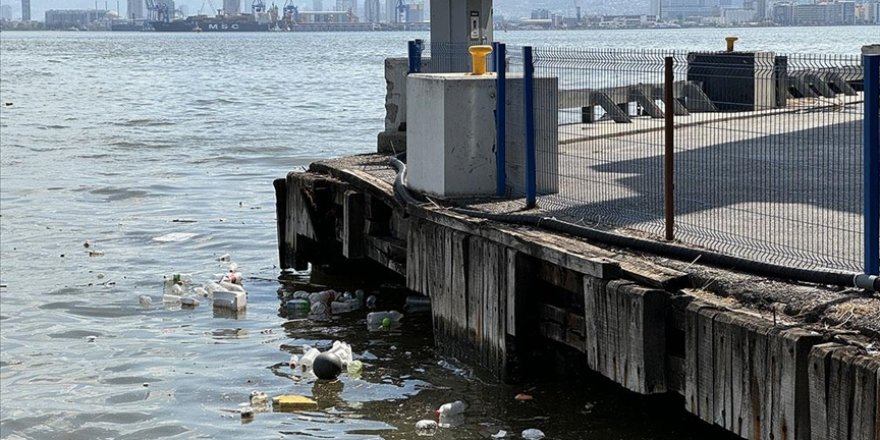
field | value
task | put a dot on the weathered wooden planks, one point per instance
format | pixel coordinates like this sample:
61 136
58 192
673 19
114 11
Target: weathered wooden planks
844 396
353 225
747 376
625 333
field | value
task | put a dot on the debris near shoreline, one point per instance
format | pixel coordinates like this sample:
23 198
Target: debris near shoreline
226 291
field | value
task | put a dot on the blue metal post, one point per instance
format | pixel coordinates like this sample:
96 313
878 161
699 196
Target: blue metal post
872 164
529 111
500 118
414 52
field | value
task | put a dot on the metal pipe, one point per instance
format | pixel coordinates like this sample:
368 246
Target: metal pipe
500 118
872 164
529 112
669 150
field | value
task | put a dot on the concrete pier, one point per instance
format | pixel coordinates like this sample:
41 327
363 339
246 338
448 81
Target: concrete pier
761 358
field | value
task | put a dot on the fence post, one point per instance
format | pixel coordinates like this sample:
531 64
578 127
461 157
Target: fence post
500 118
529 112
872 163
414 52
669 151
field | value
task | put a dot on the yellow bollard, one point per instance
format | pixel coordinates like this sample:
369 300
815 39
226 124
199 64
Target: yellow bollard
730 41
478 56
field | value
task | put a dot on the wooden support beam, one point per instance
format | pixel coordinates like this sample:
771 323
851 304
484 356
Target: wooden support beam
625 330
353 225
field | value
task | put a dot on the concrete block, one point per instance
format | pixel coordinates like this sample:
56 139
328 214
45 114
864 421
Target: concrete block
451 134
451 126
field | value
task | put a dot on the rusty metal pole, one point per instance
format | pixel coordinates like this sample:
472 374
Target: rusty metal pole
669 163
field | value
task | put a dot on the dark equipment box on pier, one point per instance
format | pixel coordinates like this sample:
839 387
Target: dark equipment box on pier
740 81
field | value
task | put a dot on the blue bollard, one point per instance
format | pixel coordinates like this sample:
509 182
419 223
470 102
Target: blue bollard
529 111
872 164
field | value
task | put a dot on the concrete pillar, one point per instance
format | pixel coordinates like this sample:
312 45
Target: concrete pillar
455 26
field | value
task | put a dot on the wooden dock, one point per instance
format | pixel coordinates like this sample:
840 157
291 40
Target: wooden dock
761 358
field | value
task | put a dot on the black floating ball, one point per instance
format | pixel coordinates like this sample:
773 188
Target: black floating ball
327 366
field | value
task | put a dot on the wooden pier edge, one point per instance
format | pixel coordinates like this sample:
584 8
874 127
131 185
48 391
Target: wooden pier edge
499 291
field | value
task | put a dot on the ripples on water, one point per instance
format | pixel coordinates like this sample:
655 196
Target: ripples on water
115 138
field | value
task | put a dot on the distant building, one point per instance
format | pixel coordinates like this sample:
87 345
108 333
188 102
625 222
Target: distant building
6 12
73 18
25 10
232 7
540 14
391 11
346 6
317 5
842 12
372 10
135 9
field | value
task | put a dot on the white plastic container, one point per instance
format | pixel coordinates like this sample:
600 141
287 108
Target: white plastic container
234 301
171 299
451 408
342 351
308 357
337 307
326 297
188 301
230 287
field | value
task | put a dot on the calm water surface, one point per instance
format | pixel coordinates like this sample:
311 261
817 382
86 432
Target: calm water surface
116 138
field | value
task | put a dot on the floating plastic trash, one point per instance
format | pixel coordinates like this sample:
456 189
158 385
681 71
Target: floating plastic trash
532 434
171 299
500 434
230 300
298 308
309 355
188 301
354 368
231 287
376 320
293 402
327 366
259 401
451 408
426 428
246 412
145 301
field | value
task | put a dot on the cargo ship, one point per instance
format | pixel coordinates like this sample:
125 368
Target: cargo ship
201 23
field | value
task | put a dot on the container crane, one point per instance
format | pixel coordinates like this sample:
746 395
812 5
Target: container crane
402 10
258 6
159 10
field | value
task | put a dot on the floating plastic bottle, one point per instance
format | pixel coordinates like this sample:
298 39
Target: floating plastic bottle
426 427
451 408
326 297
188 301
354 367
184 280
145 301
346 306
378 317
371 302
171 299
318 310
231 287
309 355
298 308
294 361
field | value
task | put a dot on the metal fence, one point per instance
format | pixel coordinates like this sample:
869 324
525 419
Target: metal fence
749 154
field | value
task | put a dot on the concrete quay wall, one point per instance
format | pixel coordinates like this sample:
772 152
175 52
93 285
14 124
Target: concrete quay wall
499 292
